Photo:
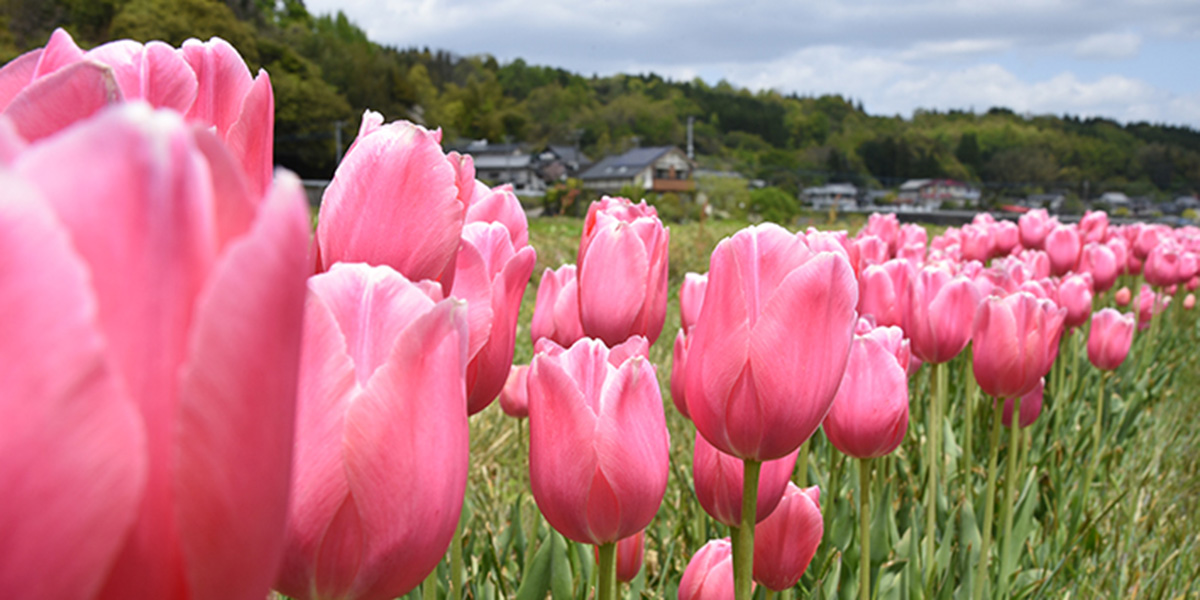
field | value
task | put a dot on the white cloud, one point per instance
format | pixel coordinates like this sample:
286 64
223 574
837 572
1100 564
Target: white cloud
1109 46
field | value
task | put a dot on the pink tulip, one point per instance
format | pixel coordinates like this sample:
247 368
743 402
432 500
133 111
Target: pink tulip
1037 261
939 313
869 416
679 355
491 275
718 480
597 440
499 205
382 391
556 310
1093 227
623 271
1100 262
1006 237
871 251
1015 342
768 351
1110 338
886 227
977 243
785 542
514 398
629 556
1147 238
1034 226
1163 265
1120 250
1149 304
883 291
911 234
1075 294
1193 283
1123 296
691 298
46 90
1031 406
151 331
396 199
1189 302
1063 246
709 574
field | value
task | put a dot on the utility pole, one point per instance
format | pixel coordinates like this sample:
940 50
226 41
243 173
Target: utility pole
337 142
691 150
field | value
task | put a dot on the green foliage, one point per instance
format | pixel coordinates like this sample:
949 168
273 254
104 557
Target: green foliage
174 21
774 204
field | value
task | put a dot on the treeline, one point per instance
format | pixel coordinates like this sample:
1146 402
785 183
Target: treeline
326 71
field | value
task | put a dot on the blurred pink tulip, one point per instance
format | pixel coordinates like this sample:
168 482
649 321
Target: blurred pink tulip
886 227
718 480
1075 294
1015 342
883 291
785 542
977 243
1120 250
597 440
939 312
556 311
151 331
1189 302
1123 296
1149 304
1034 226
491 275
679 355
623 255
396 199
207 81
1031 406
1100 262
869 416
709 574
1063 246
871 251
691 298
770 346
1193 283
382 391
1147 238
1110 338
1163 265
629 556
514 398
1093 227
1037 261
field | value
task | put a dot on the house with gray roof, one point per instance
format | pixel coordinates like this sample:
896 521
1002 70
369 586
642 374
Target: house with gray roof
655 169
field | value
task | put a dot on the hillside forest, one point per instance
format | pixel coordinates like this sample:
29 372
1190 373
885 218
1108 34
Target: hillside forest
325 72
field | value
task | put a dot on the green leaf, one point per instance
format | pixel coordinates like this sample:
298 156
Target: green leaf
561 583
536 581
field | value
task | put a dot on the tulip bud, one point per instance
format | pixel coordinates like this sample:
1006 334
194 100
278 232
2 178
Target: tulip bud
709 574
623 256
1100 262
1034 226
785 542
939 314
1110 338
556 310
514 398
1063 245
755 389
718 480
869 416
598 445
1123 296
1015 342
1031 406
1075 294
1189 302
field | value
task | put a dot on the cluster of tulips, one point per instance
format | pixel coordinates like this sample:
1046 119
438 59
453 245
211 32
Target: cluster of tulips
203 399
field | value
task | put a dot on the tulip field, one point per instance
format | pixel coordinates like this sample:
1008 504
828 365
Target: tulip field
210 392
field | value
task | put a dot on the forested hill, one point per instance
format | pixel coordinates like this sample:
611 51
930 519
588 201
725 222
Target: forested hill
325 70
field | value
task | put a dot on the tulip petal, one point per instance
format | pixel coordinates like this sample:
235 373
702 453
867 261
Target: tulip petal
222 80
70 94
16 75
73 444
60 51
409 425
237 401
799 348
252 136
612 283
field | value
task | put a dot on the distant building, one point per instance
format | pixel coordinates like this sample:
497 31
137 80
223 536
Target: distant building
656 169
505 163
1114 200
931 193
558 163
842 196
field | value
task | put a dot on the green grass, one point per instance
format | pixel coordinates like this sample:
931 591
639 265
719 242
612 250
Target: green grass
1136 536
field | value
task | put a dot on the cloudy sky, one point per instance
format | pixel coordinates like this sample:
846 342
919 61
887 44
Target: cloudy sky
1131 60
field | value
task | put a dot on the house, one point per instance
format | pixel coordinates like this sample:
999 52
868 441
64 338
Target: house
505 163
842 196
558 163
931 193
1114 200
1053 201
655 169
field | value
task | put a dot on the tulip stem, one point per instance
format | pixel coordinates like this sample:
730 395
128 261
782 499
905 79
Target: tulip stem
743 538
802 465
972 398
429 588
1097 427
456 561
864 528
989 511
606 585
1010 499
935 459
